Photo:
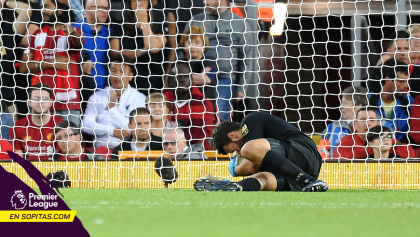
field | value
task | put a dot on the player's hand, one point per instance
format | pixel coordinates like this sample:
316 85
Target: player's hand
121 133
87 67
232 166
62 63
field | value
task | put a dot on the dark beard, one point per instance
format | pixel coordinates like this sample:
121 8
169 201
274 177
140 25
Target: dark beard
240 143
52 20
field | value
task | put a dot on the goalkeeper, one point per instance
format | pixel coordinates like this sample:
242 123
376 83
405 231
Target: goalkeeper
277 155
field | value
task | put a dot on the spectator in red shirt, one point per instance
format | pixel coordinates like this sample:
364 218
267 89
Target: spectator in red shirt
4 147
380 139
69 140
188 107
53 59
354 146
33 136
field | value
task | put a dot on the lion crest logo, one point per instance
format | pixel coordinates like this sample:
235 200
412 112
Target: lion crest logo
18 200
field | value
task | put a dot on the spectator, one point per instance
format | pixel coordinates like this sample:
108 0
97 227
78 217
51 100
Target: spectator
414 32
107 112
352 99
184 12
141 138
415 122
379 139
189 108
354 146
228 49
76 7
5 146
398 48
157 104
6 124
95 34
194 44
33 136
14 16
54 61
391 100
142 39
69 141
177 148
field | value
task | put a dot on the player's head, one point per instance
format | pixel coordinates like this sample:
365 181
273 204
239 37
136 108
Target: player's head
68 136
399 46
121 72
139 123
97 11
55 11
366 118
180 79
194 42
380 137
40 98
157 104
174 141
353 97
395 76
227 137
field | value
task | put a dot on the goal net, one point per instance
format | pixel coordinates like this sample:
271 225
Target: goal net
192 64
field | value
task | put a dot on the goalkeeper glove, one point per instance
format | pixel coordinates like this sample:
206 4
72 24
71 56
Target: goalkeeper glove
232 165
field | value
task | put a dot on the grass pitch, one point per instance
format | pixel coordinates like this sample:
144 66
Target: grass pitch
133 212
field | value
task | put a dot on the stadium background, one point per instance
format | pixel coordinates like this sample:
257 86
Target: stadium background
300 76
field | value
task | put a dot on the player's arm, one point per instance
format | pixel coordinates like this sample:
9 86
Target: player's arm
246 168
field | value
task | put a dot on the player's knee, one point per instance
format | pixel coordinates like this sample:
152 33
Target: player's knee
255 149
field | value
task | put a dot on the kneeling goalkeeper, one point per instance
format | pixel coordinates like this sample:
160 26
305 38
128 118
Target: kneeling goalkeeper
277 155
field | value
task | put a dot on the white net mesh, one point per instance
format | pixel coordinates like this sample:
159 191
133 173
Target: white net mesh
192 65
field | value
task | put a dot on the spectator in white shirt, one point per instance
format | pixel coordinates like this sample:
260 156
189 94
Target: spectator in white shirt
107 112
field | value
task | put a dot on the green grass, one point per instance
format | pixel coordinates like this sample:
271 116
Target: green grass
133 212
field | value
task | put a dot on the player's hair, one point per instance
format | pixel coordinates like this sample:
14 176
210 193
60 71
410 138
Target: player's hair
156 97
40 86
220 135
66 125
413 29
179 131
138 111
399 35
125 61
391 67
356 94
367 109
192 33
377 132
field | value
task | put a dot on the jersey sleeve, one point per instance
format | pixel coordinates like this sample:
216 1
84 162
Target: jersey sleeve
252 127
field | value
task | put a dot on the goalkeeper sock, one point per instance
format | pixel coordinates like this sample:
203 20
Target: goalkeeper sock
250 184
278 164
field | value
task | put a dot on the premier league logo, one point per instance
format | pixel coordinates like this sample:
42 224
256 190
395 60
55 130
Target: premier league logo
18 200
